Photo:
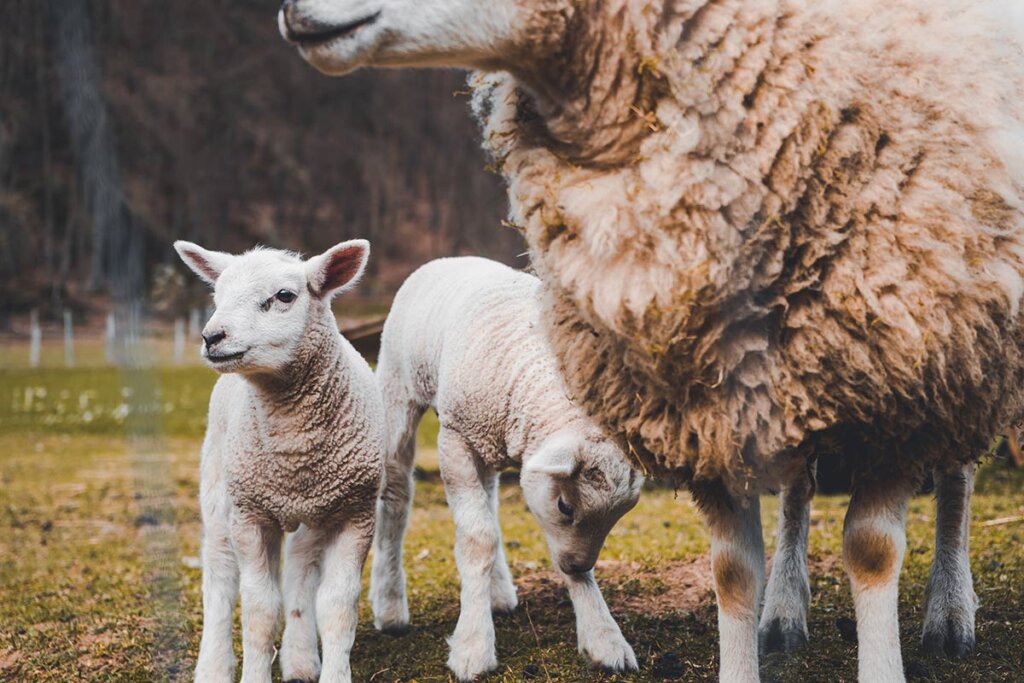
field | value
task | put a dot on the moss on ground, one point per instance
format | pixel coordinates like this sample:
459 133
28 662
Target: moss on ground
99 577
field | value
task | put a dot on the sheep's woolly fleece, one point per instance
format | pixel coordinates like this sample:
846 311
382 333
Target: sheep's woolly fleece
776 229
304 447
465 335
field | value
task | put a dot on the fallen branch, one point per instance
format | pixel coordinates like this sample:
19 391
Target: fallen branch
998 521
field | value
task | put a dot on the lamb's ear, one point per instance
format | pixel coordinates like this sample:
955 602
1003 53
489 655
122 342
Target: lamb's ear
337 269
557 458
208 265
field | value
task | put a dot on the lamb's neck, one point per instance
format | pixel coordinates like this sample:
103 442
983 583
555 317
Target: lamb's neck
308 394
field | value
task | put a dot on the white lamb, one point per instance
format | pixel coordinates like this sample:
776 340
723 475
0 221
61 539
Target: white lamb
464 337
293 444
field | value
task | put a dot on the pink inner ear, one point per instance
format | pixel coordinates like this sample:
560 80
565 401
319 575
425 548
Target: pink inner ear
342 267
202 264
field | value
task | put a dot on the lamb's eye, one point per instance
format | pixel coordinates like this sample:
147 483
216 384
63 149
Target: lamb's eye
564 508
285 297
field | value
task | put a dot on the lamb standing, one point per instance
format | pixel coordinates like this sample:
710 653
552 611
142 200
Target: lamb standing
793 228
464 337
293 444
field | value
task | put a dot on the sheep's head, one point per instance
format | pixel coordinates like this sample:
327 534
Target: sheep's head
338 36
267 300
578 486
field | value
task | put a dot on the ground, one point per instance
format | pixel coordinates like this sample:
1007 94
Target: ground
100 579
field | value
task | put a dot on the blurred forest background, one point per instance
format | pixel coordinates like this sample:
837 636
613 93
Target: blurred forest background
126 125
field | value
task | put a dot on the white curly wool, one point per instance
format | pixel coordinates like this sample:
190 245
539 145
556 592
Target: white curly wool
464 337
294 444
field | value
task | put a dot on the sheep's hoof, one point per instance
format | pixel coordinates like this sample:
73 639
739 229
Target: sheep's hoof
300 680
503 611
396 630
777 637
950 639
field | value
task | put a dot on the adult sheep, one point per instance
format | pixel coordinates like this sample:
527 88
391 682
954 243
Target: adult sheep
770 231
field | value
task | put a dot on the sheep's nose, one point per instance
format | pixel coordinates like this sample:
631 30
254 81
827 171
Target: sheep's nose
212 339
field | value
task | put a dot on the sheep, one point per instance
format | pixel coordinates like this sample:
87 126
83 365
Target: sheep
769 231
463 336
294 444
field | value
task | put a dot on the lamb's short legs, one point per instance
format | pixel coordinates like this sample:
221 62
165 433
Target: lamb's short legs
216 662
472 643
598 635
259 561
737 563
503 589
303 551
387 578
783 624
337 599
874 542
950 601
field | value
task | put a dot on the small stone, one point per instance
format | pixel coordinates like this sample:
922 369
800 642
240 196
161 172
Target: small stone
668 667
531 670
847 629
47 526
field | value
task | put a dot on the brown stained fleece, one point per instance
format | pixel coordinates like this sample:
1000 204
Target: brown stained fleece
870 556
734 584
772 230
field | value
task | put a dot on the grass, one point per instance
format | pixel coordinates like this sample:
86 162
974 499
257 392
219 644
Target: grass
99 577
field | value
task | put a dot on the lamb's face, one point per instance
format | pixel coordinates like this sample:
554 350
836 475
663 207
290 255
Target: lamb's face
266 300
339 36
578 488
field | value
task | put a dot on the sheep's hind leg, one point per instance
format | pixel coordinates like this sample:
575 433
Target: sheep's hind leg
216 662
259 560
472 643
874 543
503 589
950 601
300 661
599 636
337 599
783 626
737 564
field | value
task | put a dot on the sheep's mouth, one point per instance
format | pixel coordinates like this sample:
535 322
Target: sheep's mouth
321 35
224 357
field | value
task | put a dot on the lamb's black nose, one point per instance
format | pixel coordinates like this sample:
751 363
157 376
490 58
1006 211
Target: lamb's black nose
213 338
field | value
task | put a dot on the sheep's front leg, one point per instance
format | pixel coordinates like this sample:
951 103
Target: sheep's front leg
503 589
788 594
472 644
737 563
950 601
874 542
387 576
303 552
337 601
259 561
216 662
598 636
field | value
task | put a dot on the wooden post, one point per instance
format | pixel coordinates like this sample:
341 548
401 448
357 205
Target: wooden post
69 341
111 338
35 339
193 324
179 339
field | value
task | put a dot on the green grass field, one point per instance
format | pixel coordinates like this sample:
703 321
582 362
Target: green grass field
99 575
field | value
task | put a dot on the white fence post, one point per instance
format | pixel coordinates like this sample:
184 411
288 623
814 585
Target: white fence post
35 339
111 337
179 339
193 324
69 341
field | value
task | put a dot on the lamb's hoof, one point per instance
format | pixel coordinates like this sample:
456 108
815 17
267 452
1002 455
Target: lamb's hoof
503 610
396 630
471 656
301 680
950 639
778 636
610 653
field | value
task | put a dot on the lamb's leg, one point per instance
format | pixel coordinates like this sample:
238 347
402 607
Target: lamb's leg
598 636
337 601
950 601
216 662
302 555
472 644
503 589
874 542
387 577
259 560
784 617
737 563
